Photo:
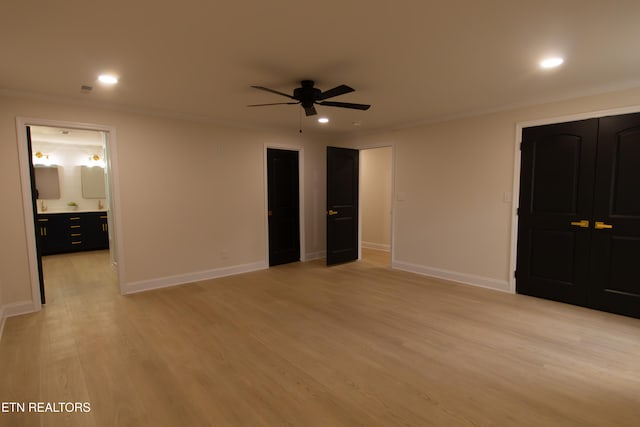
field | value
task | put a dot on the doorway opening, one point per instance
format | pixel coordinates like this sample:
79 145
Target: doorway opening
67 177
376 183
359 203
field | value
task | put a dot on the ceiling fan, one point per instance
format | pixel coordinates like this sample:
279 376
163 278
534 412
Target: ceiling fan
309 96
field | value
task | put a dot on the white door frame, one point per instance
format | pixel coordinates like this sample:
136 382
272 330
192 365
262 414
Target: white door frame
115 246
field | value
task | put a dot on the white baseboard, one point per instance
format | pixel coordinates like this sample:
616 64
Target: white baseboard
165 282
467 279
376 246
18 308
14 309
315 255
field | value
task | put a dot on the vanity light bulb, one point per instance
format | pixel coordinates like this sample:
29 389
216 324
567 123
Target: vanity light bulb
41 159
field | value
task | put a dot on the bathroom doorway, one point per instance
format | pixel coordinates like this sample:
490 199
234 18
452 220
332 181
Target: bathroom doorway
67 175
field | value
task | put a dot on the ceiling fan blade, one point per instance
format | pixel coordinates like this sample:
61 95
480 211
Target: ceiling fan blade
310 111
338 90
273 91
273 103
345 105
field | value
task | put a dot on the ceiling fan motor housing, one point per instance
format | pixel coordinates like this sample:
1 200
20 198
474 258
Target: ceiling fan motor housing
307 94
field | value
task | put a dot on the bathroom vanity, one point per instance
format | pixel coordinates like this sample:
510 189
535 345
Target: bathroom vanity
72 231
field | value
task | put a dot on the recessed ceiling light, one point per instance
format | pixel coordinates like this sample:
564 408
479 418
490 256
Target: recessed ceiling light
108 79
323 120
551 62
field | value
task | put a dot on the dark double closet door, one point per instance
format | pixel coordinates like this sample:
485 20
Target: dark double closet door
579 213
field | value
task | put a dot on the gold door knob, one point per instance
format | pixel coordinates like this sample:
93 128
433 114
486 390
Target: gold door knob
332 212
582 223
601 225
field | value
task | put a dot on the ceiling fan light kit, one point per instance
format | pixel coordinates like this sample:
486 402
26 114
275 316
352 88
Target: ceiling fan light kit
309 96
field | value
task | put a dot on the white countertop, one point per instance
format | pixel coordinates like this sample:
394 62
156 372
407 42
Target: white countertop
70 211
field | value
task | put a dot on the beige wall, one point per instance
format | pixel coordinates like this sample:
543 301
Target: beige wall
375 197
450 216
14 269
192 195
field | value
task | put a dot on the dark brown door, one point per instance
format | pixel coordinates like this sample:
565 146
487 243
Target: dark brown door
284 206
615 257
579 214
556 198
342 205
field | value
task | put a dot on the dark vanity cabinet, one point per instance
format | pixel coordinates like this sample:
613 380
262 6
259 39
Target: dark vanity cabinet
51 234
95 231
72 232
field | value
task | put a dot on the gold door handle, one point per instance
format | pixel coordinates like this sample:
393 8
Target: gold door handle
601 225
331 212
582 223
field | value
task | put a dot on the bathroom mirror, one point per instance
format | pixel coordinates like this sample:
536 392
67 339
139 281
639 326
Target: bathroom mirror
47 182
93 182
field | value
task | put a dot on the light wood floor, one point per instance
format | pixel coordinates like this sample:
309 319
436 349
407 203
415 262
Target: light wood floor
306 345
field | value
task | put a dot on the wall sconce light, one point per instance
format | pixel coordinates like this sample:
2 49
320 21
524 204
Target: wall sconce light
41 159
96 160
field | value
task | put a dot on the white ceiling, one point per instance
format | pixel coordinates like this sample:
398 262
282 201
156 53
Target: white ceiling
55 135
415 61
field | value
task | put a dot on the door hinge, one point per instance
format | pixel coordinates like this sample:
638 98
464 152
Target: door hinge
521 145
